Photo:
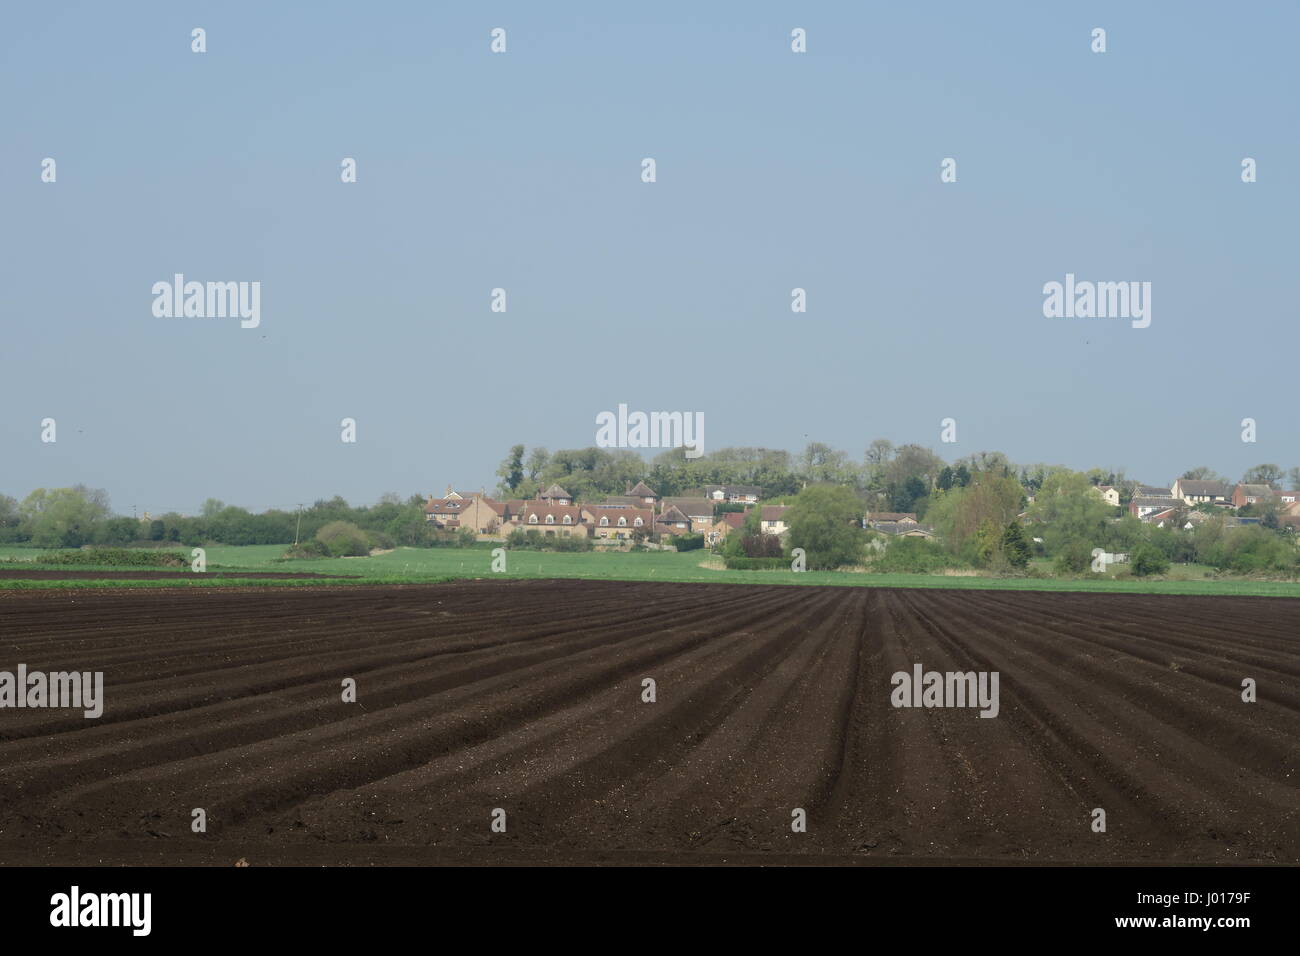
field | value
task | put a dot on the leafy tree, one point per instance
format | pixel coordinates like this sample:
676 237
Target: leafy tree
1073 515
880 452
10 518
538 459
1202 473
822 463
958 514
987 542
824 522
1014 545
913 461
118 531
904 499
63 517
1270 475
511 470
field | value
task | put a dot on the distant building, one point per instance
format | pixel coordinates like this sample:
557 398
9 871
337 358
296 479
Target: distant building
1244 494
644 492
876 518
617 522
772 520
672 522
556 495
558 520
464 509
1152 491
698 510
1195 492
739 494
732 521
1109 494
1153 509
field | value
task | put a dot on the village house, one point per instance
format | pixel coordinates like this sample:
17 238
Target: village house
737 494
671 521
558 520
464 509
1153 509
698 510
772 520
1195 492
556 495
1152 491
617 522
731 521
1244 494
644 492
875 518
1109 494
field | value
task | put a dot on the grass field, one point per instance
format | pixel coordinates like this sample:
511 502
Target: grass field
413 565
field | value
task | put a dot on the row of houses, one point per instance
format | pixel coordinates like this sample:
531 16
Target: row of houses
1158 505
640 510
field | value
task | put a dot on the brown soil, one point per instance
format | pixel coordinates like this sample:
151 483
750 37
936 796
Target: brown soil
527 696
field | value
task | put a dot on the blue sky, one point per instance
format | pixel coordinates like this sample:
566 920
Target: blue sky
522 171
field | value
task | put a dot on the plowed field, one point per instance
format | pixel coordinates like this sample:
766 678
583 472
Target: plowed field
527 696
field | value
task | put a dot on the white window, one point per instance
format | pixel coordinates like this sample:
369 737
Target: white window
622 522
550 519
532 519
604 521
568 519
638 522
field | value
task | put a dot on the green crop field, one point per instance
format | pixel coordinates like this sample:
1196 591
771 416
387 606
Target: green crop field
413 565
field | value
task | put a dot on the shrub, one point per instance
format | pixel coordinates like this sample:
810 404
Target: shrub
1074 557
1148 559
311 548
532 540
132 557
343 539
756 564
914 556
379 541
690 542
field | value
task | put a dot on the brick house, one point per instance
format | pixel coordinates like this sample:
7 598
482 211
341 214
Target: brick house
617 522
1244 494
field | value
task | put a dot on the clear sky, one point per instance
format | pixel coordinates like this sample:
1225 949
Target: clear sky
522 170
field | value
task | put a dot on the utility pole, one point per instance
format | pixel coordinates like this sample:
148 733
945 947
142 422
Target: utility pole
299 527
